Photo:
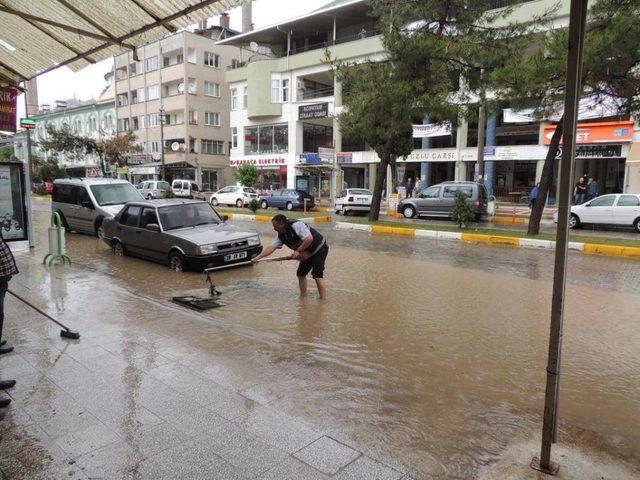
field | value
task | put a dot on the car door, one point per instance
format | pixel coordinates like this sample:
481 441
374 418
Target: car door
127 227
626 210
276 200
341 198
86 211
150 243
70 210
428 199
599 210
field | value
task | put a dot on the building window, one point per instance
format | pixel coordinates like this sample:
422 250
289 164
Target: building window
276 96
235 63
192 86
211 89
154 120
234 99
193 117
152 64
123 100
212 147
78 126
123 125
234 137
153 92
137 96
191 55
211 60
136 124
93 126
212 119
141 121
266 139
154 147
245 97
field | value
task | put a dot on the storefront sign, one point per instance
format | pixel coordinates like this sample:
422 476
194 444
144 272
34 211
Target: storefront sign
316 110
265 161
432 130
326 154
344 157
8 109
434 155
13 211
604 132
516 130
599 151
312 159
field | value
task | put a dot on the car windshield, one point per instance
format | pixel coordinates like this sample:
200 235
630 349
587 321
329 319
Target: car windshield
360 191
115 194
187 215
249 190
301 192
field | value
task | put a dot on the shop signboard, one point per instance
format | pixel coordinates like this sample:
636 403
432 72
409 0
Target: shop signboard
312 159
602 132
258 161
430 130
326 154
344 157
315 110
13 209
8 109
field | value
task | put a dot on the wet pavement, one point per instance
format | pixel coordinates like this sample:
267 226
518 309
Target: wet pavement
427 361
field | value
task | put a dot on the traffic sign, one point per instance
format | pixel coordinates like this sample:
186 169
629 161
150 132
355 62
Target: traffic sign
28 123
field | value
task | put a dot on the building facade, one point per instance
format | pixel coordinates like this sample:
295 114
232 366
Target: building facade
175 100
284 108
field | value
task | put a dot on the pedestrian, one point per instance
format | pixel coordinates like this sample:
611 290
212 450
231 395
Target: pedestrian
534 195
592 189
408 187
580 191
309 248
8 269
418 187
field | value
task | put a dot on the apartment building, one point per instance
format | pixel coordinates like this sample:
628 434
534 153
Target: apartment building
284 108
175 99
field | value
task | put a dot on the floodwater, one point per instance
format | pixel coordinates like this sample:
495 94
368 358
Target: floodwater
429 354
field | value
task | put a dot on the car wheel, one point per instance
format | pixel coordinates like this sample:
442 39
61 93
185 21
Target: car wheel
289 206
408 211
177 263
214 201
99 229
264 204
574 221
636 225
239 203
118 249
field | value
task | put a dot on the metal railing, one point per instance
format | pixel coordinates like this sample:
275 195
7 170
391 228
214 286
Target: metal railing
317 93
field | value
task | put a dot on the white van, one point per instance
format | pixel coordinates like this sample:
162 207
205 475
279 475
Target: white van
186 189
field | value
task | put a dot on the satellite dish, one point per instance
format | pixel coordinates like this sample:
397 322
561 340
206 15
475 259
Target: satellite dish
156 156
175 146
253 46
181 87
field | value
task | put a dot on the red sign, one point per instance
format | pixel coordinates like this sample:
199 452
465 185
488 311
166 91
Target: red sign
8 109
602 132
258 161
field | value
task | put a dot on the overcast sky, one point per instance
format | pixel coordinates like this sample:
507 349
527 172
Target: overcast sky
62 84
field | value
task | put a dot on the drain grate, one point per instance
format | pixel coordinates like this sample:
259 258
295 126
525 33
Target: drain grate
197 303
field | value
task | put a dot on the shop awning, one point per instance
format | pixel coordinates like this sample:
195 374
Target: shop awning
38 36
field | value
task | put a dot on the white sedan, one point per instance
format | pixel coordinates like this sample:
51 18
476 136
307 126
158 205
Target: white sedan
354 200
622 209
233 195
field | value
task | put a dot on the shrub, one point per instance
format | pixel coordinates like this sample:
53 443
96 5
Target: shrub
254 205
168 193
462 212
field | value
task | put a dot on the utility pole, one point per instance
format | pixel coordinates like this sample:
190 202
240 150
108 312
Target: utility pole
577 25
162 143
482 125
27 177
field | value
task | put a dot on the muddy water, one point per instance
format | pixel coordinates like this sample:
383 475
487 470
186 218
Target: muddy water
427 354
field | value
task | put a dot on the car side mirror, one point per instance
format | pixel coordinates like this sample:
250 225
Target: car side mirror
87 204
224 218
153 227
587 205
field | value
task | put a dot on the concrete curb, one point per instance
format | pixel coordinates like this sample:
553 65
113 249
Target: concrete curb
585 248
267 218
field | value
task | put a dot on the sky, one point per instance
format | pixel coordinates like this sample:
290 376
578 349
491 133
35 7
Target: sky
88 83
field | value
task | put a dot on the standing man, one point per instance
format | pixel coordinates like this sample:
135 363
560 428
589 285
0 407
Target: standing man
309 247
580 191
8 269
592 189
409 186
417 188
534 195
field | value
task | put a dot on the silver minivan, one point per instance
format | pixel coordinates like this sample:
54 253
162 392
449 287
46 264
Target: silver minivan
438 200
83 203
151 189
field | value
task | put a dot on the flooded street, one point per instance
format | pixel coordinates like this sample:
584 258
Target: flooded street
428 355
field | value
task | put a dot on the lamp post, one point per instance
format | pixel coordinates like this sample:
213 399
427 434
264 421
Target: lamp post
162 143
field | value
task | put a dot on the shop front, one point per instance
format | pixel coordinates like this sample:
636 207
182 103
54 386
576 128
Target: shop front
314 174
272 170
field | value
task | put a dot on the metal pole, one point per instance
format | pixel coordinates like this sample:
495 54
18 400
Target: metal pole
577 23
27 177
482 125
161 143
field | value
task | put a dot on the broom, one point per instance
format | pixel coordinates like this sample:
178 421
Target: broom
65 333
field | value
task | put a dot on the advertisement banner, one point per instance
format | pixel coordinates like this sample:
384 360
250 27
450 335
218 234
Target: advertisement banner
603 132
432 130
344 157
316 110
8 109
13 210
258 161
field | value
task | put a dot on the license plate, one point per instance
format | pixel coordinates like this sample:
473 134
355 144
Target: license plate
235 256
361 200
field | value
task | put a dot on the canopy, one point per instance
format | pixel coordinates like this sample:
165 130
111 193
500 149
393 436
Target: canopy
41 35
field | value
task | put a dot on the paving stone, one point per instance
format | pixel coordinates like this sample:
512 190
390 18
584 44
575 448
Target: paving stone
365 468
15 440
231 405
199 422
293 469
84 441
327 455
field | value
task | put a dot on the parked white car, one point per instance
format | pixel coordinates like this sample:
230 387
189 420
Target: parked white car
234 195
353 200
151 189
186 189
621 209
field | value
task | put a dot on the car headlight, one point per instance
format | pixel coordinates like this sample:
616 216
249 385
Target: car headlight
208 249
253 241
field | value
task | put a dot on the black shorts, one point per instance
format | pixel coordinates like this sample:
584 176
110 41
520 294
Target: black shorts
315 264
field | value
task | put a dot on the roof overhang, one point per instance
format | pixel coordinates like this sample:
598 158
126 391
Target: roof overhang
41 35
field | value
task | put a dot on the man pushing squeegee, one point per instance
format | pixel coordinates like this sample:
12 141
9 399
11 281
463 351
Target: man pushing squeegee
309 248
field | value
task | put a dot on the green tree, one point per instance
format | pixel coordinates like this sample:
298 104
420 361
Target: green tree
47 169
534 76
246 175
6 155
462 212
116 150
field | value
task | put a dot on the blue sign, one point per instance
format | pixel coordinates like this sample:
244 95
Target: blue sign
311 158
490 151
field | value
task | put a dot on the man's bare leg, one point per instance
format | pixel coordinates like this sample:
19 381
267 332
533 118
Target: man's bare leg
302 282
322 289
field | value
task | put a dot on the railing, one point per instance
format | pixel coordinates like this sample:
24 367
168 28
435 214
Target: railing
318 93
512 194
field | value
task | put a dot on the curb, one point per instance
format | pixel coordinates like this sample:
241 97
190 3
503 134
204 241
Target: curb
585 248
267 218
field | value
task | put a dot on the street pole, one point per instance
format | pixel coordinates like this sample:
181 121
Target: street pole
577 24
27 177
162 143
482 125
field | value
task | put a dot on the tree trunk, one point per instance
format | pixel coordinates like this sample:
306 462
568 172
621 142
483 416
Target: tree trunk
374 213
545 181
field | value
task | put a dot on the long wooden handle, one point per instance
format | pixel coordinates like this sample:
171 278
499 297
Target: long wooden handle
277 259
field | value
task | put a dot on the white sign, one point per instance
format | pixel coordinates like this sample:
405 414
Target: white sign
432 155
326 154
432 130
12 215
259 161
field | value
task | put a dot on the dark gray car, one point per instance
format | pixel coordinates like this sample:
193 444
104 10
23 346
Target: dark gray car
437 200
185 234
